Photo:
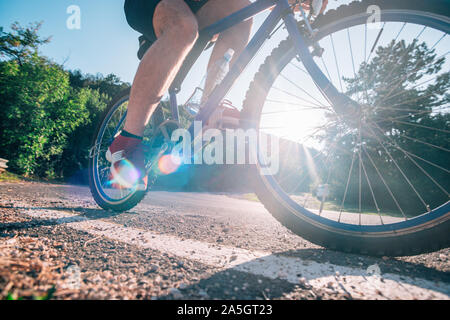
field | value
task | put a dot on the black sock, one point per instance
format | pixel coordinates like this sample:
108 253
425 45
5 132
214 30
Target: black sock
130 135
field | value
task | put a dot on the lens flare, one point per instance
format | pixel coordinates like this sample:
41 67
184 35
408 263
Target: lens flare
311 165
168 164
126 176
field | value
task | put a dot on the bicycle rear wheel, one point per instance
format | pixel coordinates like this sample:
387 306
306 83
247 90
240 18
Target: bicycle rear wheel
108 194
374 181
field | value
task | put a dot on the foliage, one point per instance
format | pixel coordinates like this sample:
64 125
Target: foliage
39 110
47 114
21 43
6 176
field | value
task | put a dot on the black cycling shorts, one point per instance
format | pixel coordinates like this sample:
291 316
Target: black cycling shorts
139 14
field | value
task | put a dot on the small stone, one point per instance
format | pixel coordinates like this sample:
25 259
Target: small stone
158 280
154 268
202 293
176 294
123 278
182 286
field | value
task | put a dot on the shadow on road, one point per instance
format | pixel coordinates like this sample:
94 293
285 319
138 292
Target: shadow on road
229 283
271 278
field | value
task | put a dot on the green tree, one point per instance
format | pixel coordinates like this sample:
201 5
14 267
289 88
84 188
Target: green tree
39 110
47 115
99 92
21 43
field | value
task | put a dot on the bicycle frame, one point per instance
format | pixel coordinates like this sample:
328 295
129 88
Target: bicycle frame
282 11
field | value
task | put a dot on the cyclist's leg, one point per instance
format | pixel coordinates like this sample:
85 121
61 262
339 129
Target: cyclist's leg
176 28
235 38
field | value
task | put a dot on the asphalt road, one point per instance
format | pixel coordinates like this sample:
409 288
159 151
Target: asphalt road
187 246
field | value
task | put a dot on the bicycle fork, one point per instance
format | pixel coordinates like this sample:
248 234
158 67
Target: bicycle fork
341 103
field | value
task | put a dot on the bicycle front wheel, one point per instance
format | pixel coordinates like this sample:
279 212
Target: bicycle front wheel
376 180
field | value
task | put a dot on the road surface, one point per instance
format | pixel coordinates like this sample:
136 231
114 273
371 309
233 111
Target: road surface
185 246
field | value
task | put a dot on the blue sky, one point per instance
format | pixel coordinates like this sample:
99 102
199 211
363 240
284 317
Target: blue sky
105 43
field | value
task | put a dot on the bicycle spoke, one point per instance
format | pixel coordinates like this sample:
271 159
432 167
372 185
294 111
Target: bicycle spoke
413 87
390 50
326 69
405 116
301 89
297 97
351 52
351 55
332 149
300 68
401 30
360 168
393 88
365 43
372 193
416 156
346 187
336 62
421 126
423 142
376 41
426 161
398 83
300 106
330 171
385 184
417 165
401 171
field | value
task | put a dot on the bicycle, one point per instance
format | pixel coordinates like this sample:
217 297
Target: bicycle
380 161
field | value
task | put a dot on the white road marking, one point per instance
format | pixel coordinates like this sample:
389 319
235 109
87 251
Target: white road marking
355 281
